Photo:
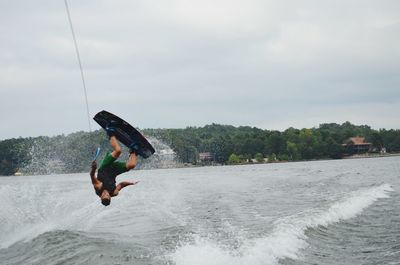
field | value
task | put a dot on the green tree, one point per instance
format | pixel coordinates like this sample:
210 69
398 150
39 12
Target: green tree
293 152
271 158
233 159
259 157
307 144
333 149
376 140
275 143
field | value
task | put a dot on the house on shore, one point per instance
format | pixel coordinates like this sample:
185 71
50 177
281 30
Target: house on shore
205 158
356 145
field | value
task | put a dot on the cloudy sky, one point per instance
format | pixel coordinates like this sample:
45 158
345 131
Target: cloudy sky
176 63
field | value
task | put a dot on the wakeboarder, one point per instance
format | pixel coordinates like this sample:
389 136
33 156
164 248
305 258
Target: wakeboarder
105 184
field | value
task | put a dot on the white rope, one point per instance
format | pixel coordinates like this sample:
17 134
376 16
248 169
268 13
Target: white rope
80 63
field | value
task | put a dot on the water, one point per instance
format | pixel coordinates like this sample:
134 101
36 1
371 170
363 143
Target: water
326 212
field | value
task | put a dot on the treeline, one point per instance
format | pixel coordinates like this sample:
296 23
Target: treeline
71 153
227 144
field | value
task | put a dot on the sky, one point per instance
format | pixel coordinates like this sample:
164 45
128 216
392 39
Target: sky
176 63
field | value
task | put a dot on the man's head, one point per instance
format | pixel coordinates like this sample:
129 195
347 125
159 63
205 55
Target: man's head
105 198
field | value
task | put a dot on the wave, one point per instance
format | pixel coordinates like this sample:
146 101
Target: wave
29 210
71 247
286 240
30 207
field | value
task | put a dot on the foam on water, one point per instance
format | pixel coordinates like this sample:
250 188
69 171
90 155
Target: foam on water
34 205
286 240
29 211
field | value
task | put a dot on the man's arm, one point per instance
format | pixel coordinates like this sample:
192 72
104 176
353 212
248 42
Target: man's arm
122 185
95 181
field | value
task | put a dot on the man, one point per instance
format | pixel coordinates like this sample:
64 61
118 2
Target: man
110 168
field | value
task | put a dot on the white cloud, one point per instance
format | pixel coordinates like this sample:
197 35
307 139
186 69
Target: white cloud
175 63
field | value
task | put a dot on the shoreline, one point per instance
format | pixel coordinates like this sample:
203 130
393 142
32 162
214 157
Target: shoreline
180 166
287 161
369 155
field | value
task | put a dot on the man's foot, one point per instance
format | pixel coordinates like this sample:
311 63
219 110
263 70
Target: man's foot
110 128
110 131
134 148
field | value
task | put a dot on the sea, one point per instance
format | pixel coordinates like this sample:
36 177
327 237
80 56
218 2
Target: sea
320 212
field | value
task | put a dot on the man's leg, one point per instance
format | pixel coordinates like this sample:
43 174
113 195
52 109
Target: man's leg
131 163
115 146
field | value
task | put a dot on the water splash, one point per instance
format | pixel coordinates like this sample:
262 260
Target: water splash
44 160
164 157
73 154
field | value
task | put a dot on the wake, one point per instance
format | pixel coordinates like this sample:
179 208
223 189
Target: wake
286 240
29 210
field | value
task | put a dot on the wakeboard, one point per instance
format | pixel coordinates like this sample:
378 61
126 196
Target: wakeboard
125 132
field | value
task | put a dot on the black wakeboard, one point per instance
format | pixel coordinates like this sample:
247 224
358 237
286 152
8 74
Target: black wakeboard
125 132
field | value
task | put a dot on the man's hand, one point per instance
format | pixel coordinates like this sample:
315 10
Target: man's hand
93 174
128 183
122 185
94 165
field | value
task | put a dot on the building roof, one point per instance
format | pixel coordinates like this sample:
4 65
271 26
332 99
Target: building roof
357 141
